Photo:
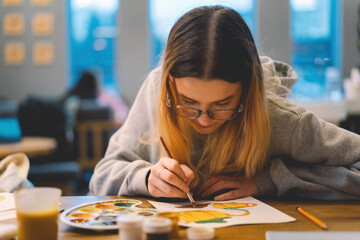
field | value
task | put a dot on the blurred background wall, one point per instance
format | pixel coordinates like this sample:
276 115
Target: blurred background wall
128 31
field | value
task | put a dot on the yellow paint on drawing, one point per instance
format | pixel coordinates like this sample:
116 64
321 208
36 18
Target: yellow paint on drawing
206 216
195 216
2 198
233 205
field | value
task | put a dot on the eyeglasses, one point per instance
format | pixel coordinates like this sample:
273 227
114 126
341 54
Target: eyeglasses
193 113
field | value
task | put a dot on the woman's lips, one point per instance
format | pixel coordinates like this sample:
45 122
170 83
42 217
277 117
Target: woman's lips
201 126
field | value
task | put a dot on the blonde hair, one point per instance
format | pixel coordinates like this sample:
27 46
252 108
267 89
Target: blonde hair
197 47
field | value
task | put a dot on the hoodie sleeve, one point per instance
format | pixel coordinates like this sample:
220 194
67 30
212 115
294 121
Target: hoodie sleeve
310 158
127 161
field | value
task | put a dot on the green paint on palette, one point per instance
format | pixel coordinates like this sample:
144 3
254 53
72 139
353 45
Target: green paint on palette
215 220
124 204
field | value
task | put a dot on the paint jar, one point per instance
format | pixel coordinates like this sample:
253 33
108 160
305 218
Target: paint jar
200 233
174 217
129 227
37 212
157 228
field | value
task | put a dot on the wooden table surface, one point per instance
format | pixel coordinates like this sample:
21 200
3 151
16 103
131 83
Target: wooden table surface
31 146
339 216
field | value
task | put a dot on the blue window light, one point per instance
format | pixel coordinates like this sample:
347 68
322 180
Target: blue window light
92 32
315 28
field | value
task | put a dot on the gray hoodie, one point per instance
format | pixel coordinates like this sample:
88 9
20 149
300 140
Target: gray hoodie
308 157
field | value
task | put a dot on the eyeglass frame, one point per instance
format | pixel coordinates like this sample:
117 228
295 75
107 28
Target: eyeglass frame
207 112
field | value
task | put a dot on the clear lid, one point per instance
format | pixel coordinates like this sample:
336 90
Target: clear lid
157 225
129 221
200 233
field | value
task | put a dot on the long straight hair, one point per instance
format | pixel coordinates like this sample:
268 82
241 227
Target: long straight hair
214 42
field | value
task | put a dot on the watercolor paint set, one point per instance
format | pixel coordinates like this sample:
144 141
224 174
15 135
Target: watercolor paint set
102 215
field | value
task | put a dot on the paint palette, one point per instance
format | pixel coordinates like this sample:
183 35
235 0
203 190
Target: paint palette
102 215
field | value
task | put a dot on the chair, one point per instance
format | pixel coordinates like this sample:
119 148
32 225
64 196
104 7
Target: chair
92 130
93 137
46 118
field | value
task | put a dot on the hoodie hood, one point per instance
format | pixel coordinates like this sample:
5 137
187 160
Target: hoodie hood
279 76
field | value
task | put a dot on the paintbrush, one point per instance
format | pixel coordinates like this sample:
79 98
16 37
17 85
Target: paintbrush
192 201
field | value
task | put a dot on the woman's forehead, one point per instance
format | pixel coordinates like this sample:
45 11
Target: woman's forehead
213 90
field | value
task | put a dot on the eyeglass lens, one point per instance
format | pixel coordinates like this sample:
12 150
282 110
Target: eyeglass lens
220 114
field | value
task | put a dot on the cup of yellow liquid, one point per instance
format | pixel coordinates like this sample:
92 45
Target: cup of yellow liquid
37 212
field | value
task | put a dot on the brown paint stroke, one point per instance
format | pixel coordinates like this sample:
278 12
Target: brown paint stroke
199 205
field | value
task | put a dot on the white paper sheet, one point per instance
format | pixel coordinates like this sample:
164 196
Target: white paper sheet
218 214
7 206
4 215
6 201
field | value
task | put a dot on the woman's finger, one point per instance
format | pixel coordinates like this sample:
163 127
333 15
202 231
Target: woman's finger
160 188
173 173
210 182
171 178
233 194
169 170
218 186
156 192
243 189
173 166
188 173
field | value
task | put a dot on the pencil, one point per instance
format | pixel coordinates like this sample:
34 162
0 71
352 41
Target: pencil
312 218
191 199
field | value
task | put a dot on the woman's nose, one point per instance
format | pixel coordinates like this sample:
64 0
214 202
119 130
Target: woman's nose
204 119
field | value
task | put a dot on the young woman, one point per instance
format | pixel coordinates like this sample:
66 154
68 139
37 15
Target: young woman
224 117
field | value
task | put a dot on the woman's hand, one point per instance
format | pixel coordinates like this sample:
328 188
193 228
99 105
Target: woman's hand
169 178
228 187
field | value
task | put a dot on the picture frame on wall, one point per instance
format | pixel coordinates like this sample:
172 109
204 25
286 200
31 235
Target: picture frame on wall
13 24
40 3
43 53
11 3
14 53
42 24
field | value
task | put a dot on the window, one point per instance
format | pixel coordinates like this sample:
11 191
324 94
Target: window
164 13
92 39
316 54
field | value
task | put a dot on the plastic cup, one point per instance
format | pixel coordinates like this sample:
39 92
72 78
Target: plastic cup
37 212
174 217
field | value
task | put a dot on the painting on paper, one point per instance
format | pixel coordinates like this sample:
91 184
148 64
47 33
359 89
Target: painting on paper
217 214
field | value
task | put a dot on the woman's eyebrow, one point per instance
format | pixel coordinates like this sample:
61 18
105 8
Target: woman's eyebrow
219 101
224 100
187 98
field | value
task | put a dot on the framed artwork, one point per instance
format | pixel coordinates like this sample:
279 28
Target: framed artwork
43 53
13 24
40 2
11 3
42 24
14 53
